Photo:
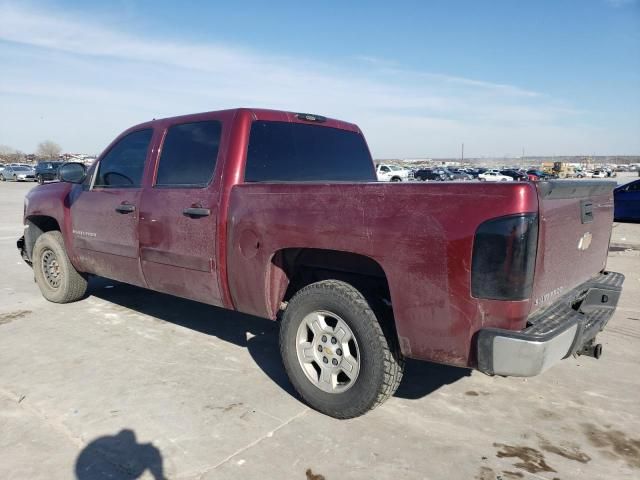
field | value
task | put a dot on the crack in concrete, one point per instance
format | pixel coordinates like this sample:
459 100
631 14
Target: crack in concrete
55 424
250 445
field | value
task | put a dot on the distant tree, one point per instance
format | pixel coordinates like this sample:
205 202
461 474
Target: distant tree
10 155
6 152
48 149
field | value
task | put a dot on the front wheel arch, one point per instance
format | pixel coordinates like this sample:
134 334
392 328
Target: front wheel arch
36 226
57 278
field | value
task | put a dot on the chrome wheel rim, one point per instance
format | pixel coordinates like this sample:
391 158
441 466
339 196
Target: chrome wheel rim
328 352
51 269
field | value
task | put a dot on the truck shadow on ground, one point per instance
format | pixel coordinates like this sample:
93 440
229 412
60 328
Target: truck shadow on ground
258 335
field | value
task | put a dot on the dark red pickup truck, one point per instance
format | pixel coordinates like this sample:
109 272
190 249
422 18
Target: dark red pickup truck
279 215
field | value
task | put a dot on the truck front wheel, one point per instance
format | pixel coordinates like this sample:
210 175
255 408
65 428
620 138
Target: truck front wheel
56 277
335 351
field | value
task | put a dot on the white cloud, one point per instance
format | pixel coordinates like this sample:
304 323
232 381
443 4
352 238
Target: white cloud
80 83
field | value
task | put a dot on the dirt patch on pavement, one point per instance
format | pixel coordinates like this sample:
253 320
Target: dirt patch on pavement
570 452
531 460
615 443
313 476
11 316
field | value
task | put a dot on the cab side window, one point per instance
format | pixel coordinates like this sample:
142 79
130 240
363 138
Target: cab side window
189 154
123 165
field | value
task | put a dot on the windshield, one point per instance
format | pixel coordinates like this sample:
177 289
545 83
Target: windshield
21 169
394 167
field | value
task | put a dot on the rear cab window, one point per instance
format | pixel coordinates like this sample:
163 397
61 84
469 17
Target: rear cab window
298 152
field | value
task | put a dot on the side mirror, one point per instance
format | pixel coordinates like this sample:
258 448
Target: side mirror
72 172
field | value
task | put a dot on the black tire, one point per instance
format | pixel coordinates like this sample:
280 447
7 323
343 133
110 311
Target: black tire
69 284
39 179
396 179
2 179
380 362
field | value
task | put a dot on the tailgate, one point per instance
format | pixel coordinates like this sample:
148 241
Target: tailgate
574 231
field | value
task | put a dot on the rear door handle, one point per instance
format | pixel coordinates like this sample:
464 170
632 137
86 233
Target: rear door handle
125 208
196 212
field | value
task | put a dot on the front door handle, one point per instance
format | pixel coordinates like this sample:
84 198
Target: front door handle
125 208
194 212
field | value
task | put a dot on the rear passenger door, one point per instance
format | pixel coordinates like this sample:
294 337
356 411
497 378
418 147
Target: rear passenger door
179 213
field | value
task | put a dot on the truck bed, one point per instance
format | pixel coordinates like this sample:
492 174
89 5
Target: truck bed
422 236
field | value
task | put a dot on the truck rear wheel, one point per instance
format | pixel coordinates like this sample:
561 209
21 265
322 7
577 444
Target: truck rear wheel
335 351
56 277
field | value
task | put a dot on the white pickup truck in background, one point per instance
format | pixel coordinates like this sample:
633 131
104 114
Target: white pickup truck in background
391 173
494 176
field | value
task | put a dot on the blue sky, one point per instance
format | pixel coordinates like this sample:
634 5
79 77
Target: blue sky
550 76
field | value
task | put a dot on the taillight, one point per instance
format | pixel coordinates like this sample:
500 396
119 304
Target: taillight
504 258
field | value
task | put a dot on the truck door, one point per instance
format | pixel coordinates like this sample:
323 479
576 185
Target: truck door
104 212
178 213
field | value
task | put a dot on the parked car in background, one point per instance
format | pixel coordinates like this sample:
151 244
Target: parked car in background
599 174
428 174
457 174
626 200
494 177
516 175
391 173
18 174
46 171
539 174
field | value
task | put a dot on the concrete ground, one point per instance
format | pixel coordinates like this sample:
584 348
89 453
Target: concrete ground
132 384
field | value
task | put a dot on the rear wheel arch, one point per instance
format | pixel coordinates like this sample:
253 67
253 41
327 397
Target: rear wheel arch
292 269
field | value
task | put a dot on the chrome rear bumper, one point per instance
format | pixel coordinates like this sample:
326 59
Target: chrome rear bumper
558 331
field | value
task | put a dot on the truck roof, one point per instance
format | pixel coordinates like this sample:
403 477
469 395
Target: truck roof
257 114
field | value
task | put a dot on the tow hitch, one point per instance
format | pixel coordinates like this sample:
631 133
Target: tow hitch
591 350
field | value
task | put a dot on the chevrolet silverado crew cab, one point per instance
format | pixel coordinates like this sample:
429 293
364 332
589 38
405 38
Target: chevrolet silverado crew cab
279 215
